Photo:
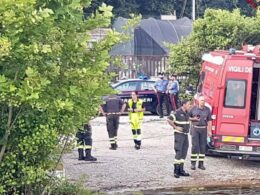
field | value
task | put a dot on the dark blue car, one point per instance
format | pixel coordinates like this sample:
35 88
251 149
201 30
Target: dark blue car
145 92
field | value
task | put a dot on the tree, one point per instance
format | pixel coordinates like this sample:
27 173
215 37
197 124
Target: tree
155 8
50 84
123 8
218 29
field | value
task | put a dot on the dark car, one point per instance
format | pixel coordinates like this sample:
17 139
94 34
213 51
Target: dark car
144 87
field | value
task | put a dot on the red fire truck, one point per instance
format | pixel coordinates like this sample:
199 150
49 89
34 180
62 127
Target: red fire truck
230 82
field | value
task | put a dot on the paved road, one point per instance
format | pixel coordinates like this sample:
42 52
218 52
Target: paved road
127 169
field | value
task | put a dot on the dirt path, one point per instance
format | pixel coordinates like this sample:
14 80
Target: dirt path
127 169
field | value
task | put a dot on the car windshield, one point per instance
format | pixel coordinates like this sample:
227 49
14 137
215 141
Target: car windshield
147 85
127 86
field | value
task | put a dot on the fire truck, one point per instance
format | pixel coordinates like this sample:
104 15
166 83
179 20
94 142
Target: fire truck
230 82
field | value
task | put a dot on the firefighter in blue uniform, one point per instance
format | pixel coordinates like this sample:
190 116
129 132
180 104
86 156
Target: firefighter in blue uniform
136 113
84 142
179 120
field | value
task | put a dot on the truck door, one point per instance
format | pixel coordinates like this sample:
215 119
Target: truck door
234 102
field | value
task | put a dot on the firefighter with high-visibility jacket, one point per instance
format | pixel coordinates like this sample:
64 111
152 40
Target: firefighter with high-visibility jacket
179 120
136 113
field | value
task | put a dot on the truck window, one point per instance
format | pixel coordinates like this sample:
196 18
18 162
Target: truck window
235 95
200 82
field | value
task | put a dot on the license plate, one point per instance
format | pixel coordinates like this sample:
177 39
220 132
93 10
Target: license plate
246 148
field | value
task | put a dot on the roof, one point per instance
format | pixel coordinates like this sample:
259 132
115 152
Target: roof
150 36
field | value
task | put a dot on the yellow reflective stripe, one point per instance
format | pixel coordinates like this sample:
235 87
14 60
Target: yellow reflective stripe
173 116
138 137
112 141
201 157
80 146
182 160
88 147
177 161
233 139
194 157
182 122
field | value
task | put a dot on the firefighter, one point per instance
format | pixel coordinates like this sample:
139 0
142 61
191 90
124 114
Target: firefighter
201 129
136 113
112 109
84 142
179 120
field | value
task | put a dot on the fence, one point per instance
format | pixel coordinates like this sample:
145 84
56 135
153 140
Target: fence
132 65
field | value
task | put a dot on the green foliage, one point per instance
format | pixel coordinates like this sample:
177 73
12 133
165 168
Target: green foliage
218 29
155 8
68 188
51 82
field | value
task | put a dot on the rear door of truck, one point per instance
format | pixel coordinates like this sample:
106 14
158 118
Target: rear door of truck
234 101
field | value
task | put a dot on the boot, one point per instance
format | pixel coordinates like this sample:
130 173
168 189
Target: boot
176 170
182 172
201 166
113 147
138 145
193 165
88 156
81 154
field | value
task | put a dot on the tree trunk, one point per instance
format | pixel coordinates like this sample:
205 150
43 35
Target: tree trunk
7 133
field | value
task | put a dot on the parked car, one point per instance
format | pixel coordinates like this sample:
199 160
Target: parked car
144 89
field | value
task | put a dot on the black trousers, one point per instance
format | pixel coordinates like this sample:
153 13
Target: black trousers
162 99
199 140
181 145
84 139
112 127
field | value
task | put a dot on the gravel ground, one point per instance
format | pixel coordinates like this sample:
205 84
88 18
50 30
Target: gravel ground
127 169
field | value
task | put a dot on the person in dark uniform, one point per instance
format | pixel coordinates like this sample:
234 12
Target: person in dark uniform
160 88
179 120
84 142
201 128
173 89
112 109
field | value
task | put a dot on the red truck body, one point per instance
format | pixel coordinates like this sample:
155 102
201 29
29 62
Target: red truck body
230 82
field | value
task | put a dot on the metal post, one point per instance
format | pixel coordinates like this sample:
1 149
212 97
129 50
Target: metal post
193 9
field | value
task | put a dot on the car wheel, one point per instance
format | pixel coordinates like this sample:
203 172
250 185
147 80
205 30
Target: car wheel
165 110
154 113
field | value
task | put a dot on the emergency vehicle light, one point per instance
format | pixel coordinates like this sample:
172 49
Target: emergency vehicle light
213 59
232 51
